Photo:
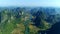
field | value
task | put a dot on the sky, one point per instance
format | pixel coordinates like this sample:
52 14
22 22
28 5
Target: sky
44 3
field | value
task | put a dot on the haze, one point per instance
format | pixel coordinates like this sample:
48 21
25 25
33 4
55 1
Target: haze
44 3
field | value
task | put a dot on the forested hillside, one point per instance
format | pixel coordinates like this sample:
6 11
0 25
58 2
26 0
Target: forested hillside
27 20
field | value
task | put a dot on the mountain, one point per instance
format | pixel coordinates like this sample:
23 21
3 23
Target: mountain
27 19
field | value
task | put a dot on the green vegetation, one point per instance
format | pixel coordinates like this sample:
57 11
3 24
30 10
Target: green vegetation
19 22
